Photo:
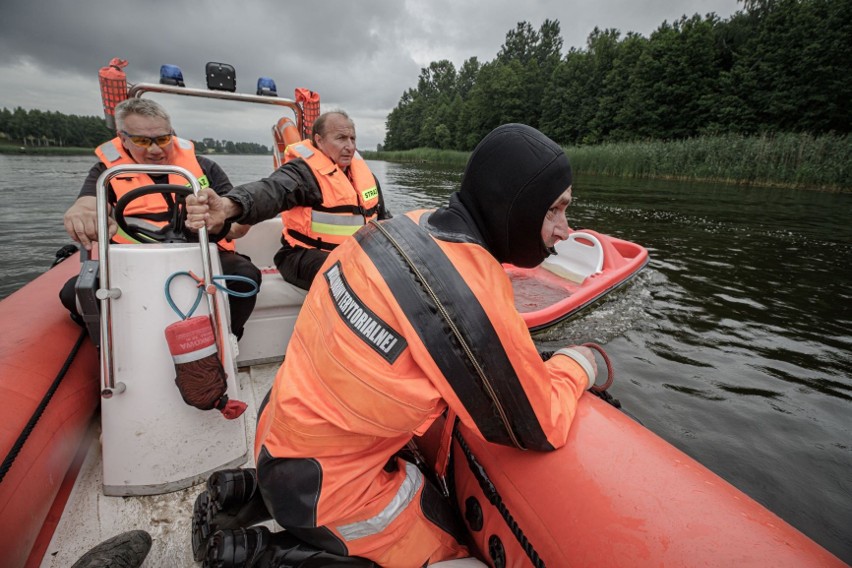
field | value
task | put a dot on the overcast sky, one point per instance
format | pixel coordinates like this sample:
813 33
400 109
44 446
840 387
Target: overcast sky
360 55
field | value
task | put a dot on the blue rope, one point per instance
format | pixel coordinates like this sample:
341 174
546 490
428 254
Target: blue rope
200 284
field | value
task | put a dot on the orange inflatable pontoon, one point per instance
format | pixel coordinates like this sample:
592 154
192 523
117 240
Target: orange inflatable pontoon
616 495
41 432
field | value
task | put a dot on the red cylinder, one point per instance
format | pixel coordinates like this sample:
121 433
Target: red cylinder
191 339
113 83
310 101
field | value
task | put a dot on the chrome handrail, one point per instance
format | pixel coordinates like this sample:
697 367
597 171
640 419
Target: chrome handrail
139 89
105 293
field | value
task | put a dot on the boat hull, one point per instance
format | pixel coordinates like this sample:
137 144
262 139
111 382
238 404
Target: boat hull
40 336
615 495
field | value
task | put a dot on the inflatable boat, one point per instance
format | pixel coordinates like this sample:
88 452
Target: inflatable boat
97 441
615 495
587 266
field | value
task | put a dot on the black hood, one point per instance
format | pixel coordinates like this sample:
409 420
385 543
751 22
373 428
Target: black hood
512 178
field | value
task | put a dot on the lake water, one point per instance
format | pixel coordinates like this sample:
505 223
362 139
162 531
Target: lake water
734 344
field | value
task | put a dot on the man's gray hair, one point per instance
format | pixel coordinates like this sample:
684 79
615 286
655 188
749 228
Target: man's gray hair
143 107
319 123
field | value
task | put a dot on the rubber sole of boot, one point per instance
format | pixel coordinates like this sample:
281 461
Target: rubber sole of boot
231 501
225 489
200 526
237 548
258 547
231 487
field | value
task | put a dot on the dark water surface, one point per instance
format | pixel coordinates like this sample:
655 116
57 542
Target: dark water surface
734 344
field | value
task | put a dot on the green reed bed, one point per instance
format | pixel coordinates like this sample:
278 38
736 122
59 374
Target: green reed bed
787 160
419 155
791 160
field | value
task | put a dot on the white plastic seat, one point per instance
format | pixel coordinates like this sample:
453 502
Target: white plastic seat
268 330
262 242
578 257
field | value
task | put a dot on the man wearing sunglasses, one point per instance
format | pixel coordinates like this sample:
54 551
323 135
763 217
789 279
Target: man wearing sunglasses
145 136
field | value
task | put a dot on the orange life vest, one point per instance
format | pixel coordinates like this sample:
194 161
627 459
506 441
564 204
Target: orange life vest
113 153
347 204
370 364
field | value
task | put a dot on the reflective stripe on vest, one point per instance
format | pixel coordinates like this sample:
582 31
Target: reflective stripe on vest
109 151
332 224
375 525
302 150
123 238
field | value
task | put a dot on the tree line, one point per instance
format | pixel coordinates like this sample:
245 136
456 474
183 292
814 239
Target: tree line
227 147
37 128
775 66
48 128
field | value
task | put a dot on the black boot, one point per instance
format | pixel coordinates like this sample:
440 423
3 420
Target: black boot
232 500
257 547
126 550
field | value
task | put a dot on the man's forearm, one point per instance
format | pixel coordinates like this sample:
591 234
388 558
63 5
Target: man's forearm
231 209
257 201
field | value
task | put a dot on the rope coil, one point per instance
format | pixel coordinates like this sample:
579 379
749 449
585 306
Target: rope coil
215 285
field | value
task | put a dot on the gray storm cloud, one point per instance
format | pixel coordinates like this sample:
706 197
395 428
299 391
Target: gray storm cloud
360 56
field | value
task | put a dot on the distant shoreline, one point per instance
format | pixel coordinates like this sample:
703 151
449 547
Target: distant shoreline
76 151
794 161
45 150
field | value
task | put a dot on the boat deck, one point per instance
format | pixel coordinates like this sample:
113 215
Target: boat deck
90 517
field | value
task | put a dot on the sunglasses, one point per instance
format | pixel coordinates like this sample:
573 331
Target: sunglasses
146 141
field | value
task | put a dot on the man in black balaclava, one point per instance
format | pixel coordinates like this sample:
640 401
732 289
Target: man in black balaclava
411 317
512 178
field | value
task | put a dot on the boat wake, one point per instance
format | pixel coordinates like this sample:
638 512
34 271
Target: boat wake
614 315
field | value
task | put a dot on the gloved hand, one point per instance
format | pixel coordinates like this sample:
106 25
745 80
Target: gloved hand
586 359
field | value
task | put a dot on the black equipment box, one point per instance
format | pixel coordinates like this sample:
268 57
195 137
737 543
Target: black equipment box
221 77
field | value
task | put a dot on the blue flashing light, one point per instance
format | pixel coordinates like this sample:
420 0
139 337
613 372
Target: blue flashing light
266 87
171 75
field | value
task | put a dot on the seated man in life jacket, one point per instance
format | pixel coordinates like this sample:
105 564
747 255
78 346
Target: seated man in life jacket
411 318
145 136
324 191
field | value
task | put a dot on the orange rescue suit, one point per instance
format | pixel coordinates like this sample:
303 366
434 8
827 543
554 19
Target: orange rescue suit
113 153
370 365
348 201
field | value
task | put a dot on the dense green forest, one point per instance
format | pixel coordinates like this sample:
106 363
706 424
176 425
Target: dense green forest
47 129
776 66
